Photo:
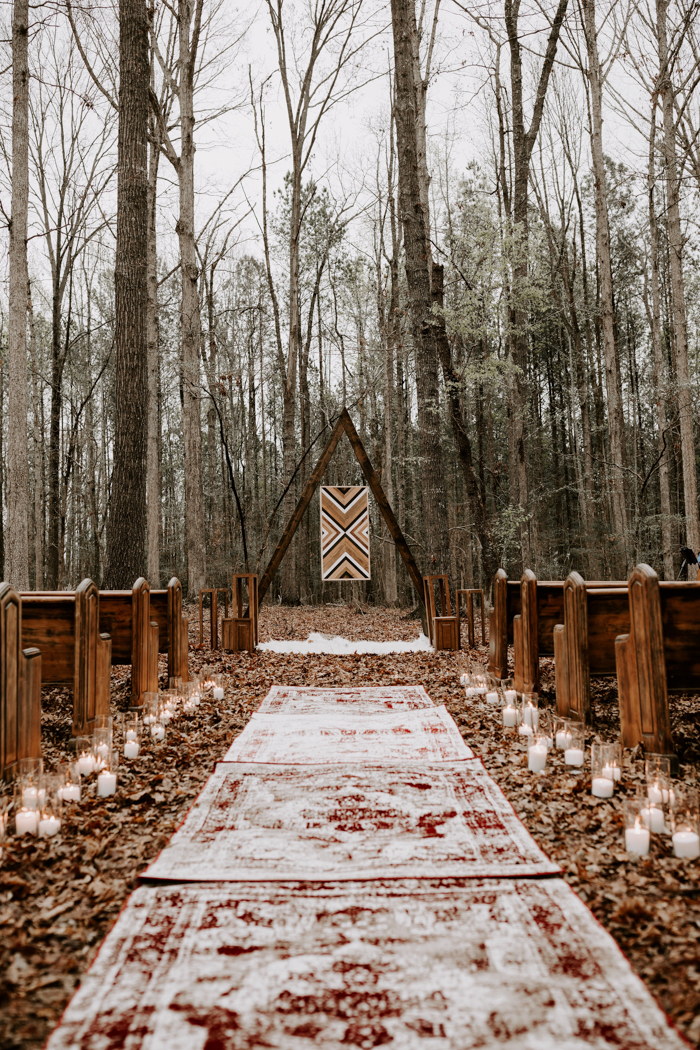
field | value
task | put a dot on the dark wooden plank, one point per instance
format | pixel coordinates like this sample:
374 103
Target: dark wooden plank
680 613
116 616
608 616
48 624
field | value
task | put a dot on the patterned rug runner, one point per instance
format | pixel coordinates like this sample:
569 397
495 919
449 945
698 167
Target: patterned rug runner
311 701
503 963
350 822
341 736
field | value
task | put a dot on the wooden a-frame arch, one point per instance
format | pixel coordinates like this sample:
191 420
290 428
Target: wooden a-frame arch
343 425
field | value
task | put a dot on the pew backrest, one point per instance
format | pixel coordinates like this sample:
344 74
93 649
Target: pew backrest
166 609
65 627
20 686
126 617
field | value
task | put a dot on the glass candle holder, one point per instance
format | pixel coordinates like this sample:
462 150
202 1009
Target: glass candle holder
50 810
612 770
107 777
132 737
85 756
509 691
156 726
510 715
652 814
5 802
603 780
545 726
684 821
562 732
463 668
480 682
151 703
217 686
189 692
101 745
537 753
175 683
529 710
637 835
28 786
70 781
658 782
573 752
493 690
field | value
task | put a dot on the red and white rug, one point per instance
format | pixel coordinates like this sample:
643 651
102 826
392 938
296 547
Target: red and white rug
350 822
405 966
308 700
340 736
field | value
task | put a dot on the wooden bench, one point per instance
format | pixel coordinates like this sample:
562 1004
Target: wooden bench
239 632
127 617
539 605
65 627
173 638
443 629
584 644
20 686
660 654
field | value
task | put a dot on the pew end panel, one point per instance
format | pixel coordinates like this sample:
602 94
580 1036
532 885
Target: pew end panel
498 627
561 671
20 686
577 655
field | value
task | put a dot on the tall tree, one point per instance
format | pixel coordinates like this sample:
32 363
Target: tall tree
675 262
126 531
17 539
415 237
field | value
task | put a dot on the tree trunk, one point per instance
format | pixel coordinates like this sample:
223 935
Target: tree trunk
616 422
153 491
190 322
675 239
435 526
38 453
126 529
523 144
17 538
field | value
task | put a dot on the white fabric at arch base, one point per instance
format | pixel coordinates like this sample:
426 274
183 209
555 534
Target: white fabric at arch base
320 644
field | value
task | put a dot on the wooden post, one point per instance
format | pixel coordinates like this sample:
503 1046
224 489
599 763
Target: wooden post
178 640
529 650
518 653
140 640
647 706
627 690
20 686
577 661
561 671
498 627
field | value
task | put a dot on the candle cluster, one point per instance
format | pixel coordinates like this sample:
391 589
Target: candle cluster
39 796
663 808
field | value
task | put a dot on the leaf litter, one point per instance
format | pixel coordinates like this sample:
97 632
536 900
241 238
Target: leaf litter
59 897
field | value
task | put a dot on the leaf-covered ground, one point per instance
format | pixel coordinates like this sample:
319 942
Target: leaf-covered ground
58 898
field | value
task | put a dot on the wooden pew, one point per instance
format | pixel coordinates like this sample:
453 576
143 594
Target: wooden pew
443 630
660 654
126 616
20 686
65 628
540 606
166 609
593 618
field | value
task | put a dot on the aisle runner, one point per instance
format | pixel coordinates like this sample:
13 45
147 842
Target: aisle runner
512 963
339 736
352 822
307 700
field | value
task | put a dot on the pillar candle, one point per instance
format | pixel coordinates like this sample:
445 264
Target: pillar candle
653 819
510 717
637 840
131 734
573 756
49 826
686 844
158 732
511 696
602 787
70 792
86 763
563 739
131 749
106 783
536 758
219 692
26 822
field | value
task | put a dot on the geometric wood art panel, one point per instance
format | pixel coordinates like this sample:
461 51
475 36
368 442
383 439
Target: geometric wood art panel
345 532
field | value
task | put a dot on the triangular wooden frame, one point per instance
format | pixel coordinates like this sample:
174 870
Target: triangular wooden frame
343 425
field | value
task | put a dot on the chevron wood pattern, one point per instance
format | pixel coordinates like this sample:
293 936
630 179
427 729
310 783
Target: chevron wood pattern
345 532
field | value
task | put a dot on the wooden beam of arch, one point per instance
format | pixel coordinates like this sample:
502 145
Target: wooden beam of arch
343 425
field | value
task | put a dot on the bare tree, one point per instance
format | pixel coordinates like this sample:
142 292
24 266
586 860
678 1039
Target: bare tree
126 530
17 539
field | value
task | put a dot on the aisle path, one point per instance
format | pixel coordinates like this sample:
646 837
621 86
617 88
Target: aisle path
386 896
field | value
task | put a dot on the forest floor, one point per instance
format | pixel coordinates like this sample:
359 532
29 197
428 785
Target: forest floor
59 897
